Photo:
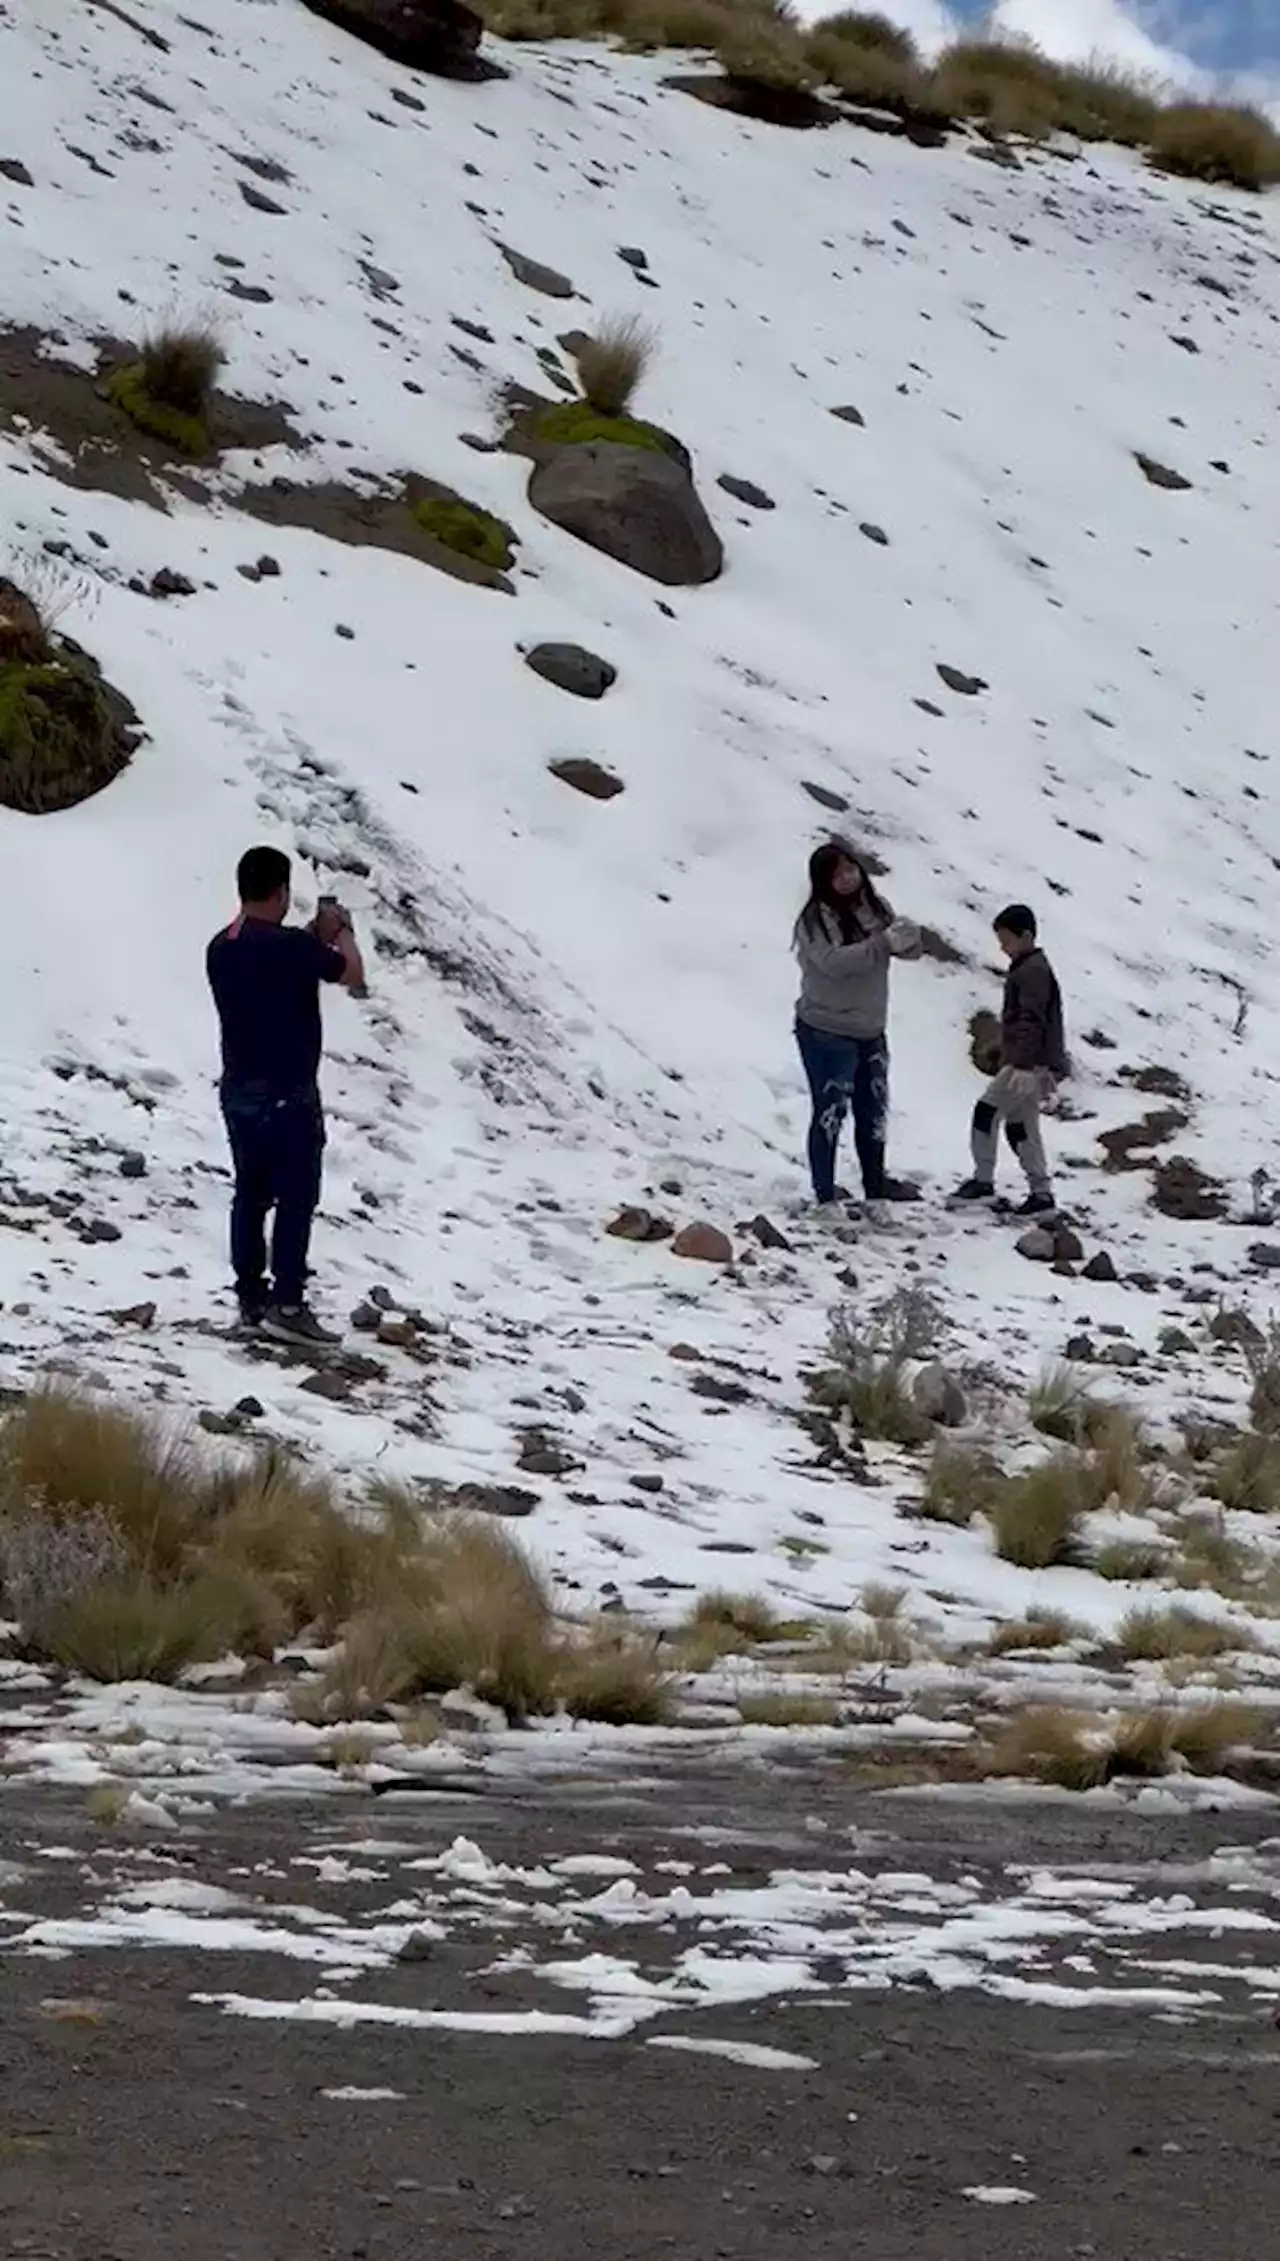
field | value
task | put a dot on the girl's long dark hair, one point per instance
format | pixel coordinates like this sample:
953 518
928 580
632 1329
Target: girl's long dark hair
843 909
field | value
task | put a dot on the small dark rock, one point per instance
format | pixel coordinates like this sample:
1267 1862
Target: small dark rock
249 1408
13 169
703 1244
135 1315
167 583
1159 474
746 490
133 1165
640 1225
100 1228
259 201
583 674
1080 1348
330 1382
415 1947
1067 1246
1264 1256
535 276
366 1318
955 679
269 568
217 1424
1037 1245
1183 1190
542 1455
1099 1267
874 534
650 1482
766 1232
587 776
849 415
632 256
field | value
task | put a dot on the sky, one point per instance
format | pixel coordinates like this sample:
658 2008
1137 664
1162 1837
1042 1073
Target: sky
1186 41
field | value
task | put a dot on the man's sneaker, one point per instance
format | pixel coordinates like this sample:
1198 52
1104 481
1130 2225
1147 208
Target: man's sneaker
972 1192
896 1189
1037 1205
253 1310
296 1323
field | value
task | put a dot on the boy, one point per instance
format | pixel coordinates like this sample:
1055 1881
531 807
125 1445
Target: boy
1033 1057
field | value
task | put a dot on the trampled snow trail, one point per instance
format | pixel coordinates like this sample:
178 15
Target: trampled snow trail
574 1002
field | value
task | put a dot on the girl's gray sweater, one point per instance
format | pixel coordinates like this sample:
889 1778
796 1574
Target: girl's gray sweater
844 986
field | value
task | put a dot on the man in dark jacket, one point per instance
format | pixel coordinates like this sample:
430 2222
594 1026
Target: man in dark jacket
265 977
1033 1058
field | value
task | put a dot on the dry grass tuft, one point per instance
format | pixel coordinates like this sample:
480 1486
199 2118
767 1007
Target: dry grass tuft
1247 1474
181 364
614 1676
757 50
723 1624
612 364
1039 1629
1035 1517
1129 1561
1120 1469
776 1708
1152 1635
1061 1405
864 73
961 1483
1209 1556
1046 1743
131 1629
1209 141
874 33
1080 1751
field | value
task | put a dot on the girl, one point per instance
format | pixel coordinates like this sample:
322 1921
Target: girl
844 939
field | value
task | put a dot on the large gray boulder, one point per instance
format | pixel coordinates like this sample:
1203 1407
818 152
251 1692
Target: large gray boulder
635 504
442 36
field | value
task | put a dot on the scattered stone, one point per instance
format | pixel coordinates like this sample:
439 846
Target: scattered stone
1188 344
99 1228
746 490
217 1424
720 1389
639 1224
1037 1245
849 415
167 583
583 674
703 1243
766 1232
543 1455
939 1397
874 534
1123 1354
1100 1267
366 1318
1159 474
249 1408
399 1334
633 257
955 679
13 169
268 568
133 1165
330 1382
22 636
587 776
509 1500
1080 1348
259 201
1264 1256
415 1947
535 276
1067 1245
824 797
1183 1190
636 504
650 1482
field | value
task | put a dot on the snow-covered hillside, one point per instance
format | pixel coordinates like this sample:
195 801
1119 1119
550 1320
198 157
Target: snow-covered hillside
576 1004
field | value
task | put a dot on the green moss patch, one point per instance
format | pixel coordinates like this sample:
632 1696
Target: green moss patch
177 427
63 733
575 423
467 530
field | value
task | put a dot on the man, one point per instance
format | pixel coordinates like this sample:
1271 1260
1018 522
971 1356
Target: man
1033 1056
265 977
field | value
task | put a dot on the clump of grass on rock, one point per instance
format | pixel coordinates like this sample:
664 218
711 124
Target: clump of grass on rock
63 735
1036 1516
466 530
168 391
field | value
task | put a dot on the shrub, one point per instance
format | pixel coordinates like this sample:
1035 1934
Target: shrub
1129 1560
614 1676
866 73
1148 1636
1080 1751
1039 1629
1060 1404
611 364
1261 1347
1210 1557
575 423
1118 1469
1247 1475
480 1617
178 427
755 51
1009 84
134 1629
180 366
46 1563
720 1623
875 34
961 1483
58 741
1045 1743
673 23
866 1375
1215 142
64 1457
468 531
1035 1517
776 1708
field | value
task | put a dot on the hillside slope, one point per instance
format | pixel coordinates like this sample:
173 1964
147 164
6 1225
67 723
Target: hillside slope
576 1001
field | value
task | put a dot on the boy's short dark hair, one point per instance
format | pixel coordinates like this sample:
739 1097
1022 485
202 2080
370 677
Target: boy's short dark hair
1016 919
261 873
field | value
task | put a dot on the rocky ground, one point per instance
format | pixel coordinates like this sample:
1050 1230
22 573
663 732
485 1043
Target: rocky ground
712 2009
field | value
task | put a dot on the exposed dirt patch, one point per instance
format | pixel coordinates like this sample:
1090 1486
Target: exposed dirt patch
1158 1083
83 439
1129 1146
382 519
1183 1190
747 98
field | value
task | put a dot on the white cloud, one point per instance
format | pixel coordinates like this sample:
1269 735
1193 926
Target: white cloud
1072 30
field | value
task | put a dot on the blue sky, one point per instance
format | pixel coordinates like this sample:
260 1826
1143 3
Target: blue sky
1185 41
1222 36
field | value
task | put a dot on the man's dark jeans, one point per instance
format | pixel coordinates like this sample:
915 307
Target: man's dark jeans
276 1146
846 1073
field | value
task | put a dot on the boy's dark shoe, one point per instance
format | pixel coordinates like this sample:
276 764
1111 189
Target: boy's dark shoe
895 1189
1037 1205
253 1310
296 1323
973 1192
